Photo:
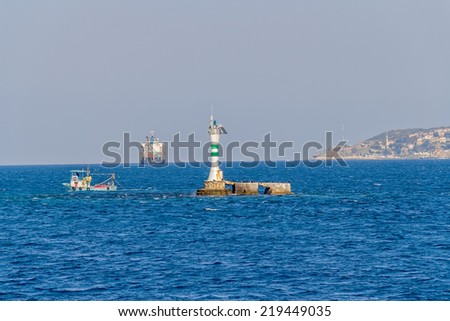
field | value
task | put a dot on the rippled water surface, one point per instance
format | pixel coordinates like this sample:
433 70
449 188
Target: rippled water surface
372 231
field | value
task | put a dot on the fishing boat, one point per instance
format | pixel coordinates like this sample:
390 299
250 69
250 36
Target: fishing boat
81 180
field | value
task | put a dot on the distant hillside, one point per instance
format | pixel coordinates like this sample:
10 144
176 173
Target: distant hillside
404 143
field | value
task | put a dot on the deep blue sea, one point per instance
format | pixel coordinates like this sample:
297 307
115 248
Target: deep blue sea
376 230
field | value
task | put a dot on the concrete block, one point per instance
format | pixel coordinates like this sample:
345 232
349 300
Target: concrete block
245 188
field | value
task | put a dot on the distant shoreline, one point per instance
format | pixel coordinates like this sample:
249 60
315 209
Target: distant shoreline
372 158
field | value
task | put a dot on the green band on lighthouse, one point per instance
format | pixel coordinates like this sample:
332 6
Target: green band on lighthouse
215 150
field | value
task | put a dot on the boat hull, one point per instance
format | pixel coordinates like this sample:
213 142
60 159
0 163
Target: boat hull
99 188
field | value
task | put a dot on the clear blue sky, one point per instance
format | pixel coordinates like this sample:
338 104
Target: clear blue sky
75 74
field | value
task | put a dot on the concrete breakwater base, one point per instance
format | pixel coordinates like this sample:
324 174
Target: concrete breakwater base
220 188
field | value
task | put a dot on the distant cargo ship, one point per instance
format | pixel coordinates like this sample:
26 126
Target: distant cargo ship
153 151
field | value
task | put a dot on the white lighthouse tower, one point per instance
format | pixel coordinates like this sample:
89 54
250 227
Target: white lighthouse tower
215 184
215 130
